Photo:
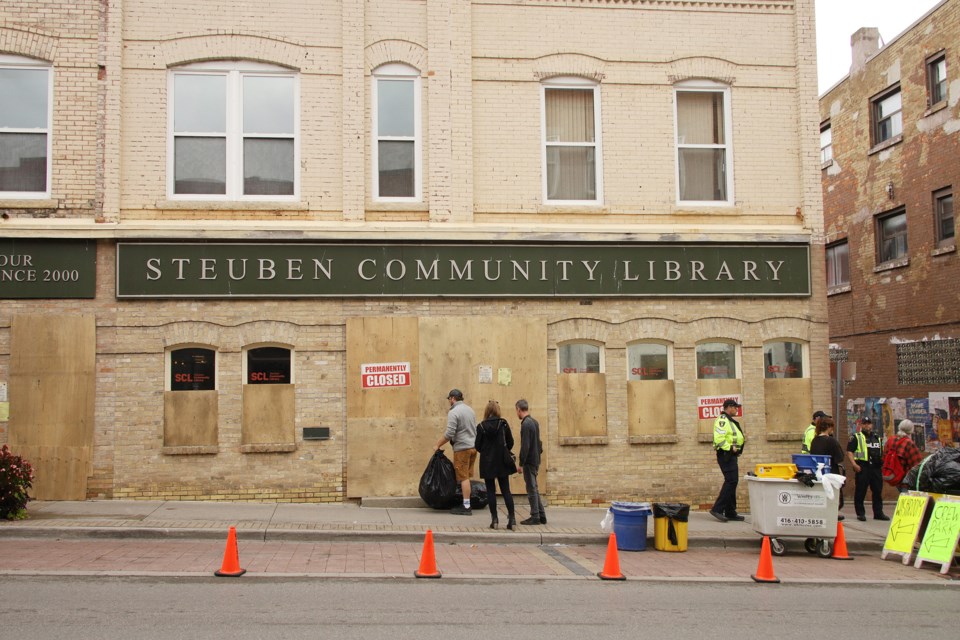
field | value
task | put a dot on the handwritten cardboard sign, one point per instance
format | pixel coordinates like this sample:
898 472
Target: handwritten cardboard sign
905 525
940 540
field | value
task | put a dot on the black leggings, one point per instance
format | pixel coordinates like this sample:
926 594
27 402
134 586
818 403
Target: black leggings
492 495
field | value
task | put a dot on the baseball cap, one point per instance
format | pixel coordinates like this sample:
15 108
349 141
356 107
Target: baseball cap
819 414
866 419
730 402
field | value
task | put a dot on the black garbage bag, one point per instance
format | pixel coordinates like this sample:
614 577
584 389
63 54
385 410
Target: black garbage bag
674 511
438 484
478 495
939 473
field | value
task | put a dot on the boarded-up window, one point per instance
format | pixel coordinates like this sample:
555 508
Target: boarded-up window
193 369
268 365
579 357
716 361
783 360
648 361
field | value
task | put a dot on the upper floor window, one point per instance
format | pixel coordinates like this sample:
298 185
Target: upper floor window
892 236
233 132
193 369
783 359
571 141
397 138
937 78
269 365
716 360
838 265
580 357
887 116
826 143
704 170
943 209
26 116
648 361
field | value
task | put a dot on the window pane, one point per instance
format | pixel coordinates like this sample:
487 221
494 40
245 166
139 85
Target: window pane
647 361
395 108
23 98
193 369
838 268
890 104
783 360
569 115
716 360
945 217
200 165
267 104
571 173
200 103
703 174
268 167
23 162
268 365
893 237
396 169
579 358
826 145
700 117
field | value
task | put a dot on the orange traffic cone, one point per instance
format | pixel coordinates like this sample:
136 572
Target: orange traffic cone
611 566
231 558
840 545
765 567
428 563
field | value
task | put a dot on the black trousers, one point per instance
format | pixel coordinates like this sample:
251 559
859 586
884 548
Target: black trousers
504 490
726 503
869 477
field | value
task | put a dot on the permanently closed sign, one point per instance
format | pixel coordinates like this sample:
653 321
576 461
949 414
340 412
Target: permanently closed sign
709 407
385 374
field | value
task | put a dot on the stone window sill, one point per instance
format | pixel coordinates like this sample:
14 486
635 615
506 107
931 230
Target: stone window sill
935 108
886 144
204 450
826 165
832 291
655 439
705 437
281 447
944 250
29 203
893 264
231 205
579 440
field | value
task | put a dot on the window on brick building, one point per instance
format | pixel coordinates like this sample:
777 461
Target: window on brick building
826 143
892 236
937 78
648 361
269 365
943 210
193 369
783 359
704 159
838 265
580 357
716 361
397 138
572 163
233 132
26 116
887 115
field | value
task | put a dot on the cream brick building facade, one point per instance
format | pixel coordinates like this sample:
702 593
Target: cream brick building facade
483 73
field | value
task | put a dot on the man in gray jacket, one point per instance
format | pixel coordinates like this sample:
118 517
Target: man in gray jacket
530 449
461 433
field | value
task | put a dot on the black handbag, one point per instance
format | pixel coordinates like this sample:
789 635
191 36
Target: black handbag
509 459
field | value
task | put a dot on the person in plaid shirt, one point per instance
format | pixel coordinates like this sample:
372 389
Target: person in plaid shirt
906 449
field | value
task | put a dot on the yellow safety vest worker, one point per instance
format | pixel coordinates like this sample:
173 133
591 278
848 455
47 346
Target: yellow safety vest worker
726 434
861 453
808 436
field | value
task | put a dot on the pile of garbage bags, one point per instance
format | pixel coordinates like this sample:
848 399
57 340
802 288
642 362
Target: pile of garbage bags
938 473
439 487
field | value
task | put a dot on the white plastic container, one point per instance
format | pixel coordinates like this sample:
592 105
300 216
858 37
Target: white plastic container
791 509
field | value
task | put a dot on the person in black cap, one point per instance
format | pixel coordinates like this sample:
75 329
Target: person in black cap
461 433
728 441
811 432
865 452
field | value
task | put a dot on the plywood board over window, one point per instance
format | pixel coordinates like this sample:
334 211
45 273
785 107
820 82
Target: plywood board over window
789 405
52 389
189 422
718 387
268 418
651 410
582 408
383 340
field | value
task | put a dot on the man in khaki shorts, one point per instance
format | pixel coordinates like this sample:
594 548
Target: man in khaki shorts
461 433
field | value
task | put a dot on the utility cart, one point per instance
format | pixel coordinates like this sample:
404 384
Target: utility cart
787 508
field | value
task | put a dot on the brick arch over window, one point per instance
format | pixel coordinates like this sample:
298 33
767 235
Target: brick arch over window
23 42
701 68
201 48
193 334
568 64
395 51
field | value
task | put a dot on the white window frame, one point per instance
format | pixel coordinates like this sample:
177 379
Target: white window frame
234 71
804 357
397 71
662 343
245 356
705 86
21 62
572 82
826 150
737 357
592 343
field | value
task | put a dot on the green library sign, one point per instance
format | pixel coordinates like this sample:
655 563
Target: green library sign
226 270
36 268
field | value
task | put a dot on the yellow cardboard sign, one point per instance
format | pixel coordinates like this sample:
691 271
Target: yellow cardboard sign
905 524
940 539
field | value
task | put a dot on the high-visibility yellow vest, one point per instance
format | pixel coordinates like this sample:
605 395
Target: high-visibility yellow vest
861 454
808 437
726 434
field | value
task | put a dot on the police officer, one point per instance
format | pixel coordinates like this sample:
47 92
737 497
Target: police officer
728 441
865 452
811 432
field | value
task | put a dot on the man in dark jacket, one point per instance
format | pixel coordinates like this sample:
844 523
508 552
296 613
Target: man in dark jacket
530 450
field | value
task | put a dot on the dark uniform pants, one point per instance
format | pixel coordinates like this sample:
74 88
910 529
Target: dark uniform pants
726 503
872 477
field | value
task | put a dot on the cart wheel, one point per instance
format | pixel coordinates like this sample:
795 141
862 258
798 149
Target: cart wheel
776 547
810 544
824 548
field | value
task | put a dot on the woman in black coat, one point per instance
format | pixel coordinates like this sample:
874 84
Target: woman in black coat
824 444
494 442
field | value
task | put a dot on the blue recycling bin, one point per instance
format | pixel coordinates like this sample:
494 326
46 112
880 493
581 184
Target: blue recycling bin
630 524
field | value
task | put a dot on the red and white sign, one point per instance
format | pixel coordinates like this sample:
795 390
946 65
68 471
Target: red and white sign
385 374
709 407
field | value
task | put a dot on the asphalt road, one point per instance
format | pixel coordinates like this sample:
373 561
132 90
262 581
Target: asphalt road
166 608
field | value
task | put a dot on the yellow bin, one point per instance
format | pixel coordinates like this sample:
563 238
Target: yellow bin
670 526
